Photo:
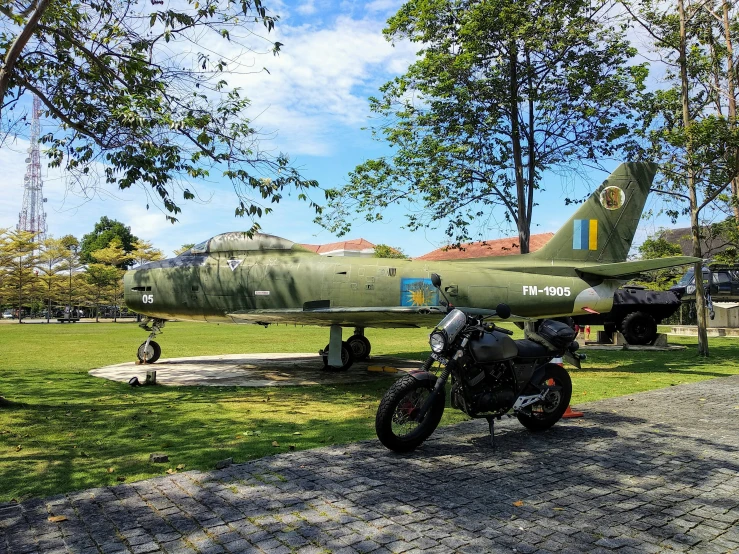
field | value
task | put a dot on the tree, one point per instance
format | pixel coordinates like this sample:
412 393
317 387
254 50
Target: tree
653 248
52 254
726 233
183 248
385 251
19 249
143 252
114 257
72 266
101 276
104 232
658 247
685 124
501 92
139 95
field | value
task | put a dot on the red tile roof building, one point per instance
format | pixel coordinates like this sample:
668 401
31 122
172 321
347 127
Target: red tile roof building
354 247
487 248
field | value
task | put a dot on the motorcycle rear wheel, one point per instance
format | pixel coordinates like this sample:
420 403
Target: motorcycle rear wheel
395 421
540 417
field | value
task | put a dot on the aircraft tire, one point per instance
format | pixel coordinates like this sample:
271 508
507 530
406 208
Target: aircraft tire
347 358
152 354
360 346
639 328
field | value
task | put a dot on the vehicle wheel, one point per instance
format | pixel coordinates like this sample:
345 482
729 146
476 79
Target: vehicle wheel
360 347
152 353
395 424
639 328
540 417
347 358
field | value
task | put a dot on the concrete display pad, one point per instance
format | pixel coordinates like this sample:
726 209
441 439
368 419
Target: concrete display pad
252 370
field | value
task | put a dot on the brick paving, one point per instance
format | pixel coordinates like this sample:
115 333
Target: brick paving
645 473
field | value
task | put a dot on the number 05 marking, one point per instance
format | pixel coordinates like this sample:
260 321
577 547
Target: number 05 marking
147 299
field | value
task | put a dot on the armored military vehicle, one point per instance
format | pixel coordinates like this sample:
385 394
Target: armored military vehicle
636 313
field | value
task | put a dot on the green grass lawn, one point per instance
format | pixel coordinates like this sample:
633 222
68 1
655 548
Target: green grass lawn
62 429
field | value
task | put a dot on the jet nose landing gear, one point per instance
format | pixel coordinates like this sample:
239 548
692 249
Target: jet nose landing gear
149 351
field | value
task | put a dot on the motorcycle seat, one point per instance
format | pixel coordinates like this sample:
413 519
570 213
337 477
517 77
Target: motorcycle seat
530 349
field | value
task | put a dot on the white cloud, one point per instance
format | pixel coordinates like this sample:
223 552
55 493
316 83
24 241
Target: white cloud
320 81
307 8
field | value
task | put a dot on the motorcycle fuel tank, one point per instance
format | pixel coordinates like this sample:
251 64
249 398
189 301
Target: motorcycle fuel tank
493 347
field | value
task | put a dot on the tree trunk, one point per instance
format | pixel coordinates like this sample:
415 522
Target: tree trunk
730 77
20 290
523 228
700 299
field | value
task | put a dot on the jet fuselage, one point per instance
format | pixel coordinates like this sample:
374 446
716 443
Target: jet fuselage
295 286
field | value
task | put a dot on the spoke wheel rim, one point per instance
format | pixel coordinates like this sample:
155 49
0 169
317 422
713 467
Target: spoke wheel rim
403 421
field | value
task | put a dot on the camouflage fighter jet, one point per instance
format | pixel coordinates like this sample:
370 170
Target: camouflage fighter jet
266 279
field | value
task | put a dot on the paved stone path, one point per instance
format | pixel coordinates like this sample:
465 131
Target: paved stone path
651 472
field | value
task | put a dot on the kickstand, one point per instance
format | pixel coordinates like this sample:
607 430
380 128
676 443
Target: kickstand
491 425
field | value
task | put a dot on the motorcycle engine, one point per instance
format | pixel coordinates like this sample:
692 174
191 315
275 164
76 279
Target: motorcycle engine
482 389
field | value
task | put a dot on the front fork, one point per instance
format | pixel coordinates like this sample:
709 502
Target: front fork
438 387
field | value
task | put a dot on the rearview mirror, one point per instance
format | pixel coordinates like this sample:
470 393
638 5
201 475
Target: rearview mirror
503 311
436 280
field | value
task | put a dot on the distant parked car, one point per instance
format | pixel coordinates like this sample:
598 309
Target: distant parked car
724 283
8 314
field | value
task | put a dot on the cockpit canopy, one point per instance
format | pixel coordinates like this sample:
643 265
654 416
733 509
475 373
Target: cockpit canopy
240 242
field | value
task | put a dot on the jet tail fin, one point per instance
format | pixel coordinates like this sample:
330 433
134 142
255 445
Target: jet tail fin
602 230
623 270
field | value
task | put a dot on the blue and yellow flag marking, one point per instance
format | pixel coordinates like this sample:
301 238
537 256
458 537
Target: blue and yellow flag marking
585 234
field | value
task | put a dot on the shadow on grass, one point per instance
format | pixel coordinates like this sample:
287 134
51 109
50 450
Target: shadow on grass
71 444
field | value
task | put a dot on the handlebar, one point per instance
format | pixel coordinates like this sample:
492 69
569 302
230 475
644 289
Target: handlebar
493 327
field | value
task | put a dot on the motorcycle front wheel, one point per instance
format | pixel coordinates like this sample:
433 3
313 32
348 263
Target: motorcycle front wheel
541 416
396 424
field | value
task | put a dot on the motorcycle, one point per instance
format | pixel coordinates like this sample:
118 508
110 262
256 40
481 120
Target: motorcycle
491 375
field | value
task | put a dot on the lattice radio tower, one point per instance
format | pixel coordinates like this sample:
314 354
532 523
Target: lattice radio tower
32 216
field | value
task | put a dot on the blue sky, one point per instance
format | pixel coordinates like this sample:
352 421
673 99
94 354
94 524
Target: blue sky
313 105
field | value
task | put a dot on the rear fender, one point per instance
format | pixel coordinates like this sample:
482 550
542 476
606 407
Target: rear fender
538 376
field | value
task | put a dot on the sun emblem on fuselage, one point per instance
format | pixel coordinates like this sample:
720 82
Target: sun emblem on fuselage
418 292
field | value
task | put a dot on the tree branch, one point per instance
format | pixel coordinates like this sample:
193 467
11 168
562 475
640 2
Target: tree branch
14 52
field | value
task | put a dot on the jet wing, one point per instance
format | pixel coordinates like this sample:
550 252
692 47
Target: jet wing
629 269
386 317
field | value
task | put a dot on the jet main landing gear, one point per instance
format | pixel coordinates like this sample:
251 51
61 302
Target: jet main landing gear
360 345
347 357
356 348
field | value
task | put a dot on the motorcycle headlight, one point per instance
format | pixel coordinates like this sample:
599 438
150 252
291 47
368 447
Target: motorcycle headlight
437 340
